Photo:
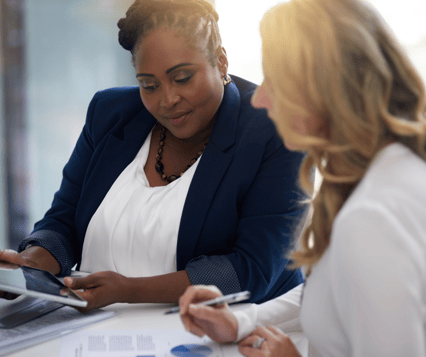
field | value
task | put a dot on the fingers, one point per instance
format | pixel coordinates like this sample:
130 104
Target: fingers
205 313
195 294
245 347
192 327
88 282
98 289
275 330
91 301
200 313
190 312
274 343
10 259
266 332
249 340
252 347
85 289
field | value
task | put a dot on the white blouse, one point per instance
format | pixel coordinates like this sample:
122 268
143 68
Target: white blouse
134 230
367 294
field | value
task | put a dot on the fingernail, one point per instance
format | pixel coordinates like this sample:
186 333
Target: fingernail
193 306
68 280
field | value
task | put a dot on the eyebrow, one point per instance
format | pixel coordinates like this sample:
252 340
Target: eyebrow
167 72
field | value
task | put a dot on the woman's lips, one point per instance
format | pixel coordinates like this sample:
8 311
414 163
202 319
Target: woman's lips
178 120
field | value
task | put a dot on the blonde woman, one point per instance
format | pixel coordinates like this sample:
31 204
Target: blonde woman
338 86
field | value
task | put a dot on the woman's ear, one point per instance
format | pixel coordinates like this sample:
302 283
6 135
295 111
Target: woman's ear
222 61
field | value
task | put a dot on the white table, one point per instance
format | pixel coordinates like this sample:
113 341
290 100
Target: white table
129 316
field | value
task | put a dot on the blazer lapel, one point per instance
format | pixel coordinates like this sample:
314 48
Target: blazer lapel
119 151
210 171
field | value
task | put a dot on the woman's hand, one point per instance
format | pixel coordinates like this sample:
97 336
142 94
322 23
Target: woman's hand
34 257
275 344
9 259
100 289
216 322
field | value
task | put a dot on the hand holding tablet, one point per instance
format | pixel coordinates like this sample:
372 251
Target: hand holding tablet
38 283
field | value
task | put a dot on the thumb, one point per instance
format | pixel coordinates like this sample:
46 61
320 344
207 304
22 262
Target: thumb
75 283
87 282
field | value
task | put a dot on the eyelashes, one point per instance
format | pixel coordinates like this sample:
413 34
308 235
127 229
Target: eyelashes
152 88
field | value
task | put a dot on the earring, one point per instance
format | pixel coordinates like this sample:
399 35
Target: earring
226 80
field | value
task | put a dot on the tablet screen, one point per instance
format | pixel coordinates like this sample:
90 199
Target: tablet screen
38 283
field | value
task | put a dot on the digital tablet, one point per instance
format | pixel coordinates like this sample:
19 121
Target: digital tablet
38 283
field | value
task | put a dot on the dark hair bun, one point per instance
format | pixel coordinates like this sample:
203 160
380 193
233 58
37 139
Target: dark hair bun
126 37
142 10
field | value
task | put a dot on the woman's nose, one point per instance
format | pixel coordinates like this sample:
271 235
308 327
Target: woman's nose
170 97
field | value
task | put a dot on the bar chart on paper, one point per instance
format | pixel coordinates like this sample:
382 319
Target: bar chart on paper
191 351
142 343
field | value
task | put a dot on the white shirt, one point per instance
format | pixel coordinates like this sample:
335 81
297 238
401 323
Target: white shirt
367 294
134 230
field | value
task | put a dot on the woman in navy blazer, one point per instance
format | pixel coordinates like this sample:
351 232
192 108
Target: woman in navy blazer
240 212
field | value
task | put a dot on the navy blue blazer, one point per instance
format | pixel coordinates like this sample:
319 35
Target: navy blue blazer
242 206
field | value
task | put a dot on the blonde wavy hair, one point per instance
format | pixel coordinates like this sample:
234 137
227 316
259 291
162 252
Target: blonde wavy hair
339 57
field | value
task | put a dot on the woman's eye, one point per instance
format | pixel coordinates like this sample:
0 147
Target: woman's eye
149 88
183 80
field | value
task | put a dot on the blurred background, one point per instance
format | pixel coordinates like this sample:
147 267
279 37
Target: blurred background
55 54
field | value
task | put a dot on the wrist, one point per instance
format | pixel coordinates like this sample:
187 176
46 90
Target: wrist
131 289
40 258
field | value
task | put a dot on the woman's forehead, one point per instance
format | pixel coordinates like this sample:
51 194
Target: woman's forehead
164 48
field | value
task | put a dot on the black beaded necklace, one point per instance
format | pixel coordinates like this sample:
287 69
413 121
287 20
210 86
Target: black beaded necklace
159 166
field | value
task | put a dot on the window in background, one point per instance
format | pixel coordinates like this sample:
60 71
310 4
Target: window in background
3 220
67 50
14 128
72 52
241 37
406 20
239 25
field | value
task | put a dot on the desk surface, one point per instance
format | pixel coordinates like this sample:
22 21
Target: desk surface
128 317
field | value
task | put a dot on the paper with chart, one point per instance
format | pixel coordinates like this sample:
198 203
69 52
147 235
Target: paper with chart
142 343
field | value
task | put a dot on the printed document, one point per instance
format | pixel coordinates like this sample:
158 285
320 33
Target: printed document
142 343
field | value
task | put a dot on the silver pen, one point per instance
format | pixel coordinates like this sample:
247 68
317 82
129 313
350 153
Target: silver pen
230 299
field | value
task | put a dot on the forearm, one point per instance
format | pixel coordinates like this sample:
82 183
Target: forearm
40 258
159 289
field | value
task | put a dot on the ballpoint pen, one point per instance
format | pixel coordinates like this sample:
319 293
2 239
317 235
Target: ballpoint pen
231 298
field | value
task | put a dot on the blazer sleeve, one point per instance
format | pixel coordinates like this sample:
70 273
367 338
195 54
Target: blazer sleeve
56 232
269 215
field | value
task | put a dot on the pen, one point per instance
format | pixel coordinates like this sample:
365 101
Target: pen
231 298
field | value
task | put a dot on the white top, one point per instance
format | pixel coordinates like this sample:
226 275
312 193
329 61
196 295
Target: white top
134 230
367 294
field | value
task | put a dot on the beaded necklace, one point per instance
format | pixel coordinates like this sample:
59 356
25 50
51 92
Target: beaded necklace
159 166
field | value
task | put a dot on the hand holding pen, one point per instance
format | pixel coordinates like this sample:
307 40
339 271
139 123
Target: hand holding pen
204 311
216 321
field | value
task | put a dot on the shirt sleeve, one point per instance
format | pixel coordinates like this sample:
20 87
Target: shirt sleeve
377 270
282 312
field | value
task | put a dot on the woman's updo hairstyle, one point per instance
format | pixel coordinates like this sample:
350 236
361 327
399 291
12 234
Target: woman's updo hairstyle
193 19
